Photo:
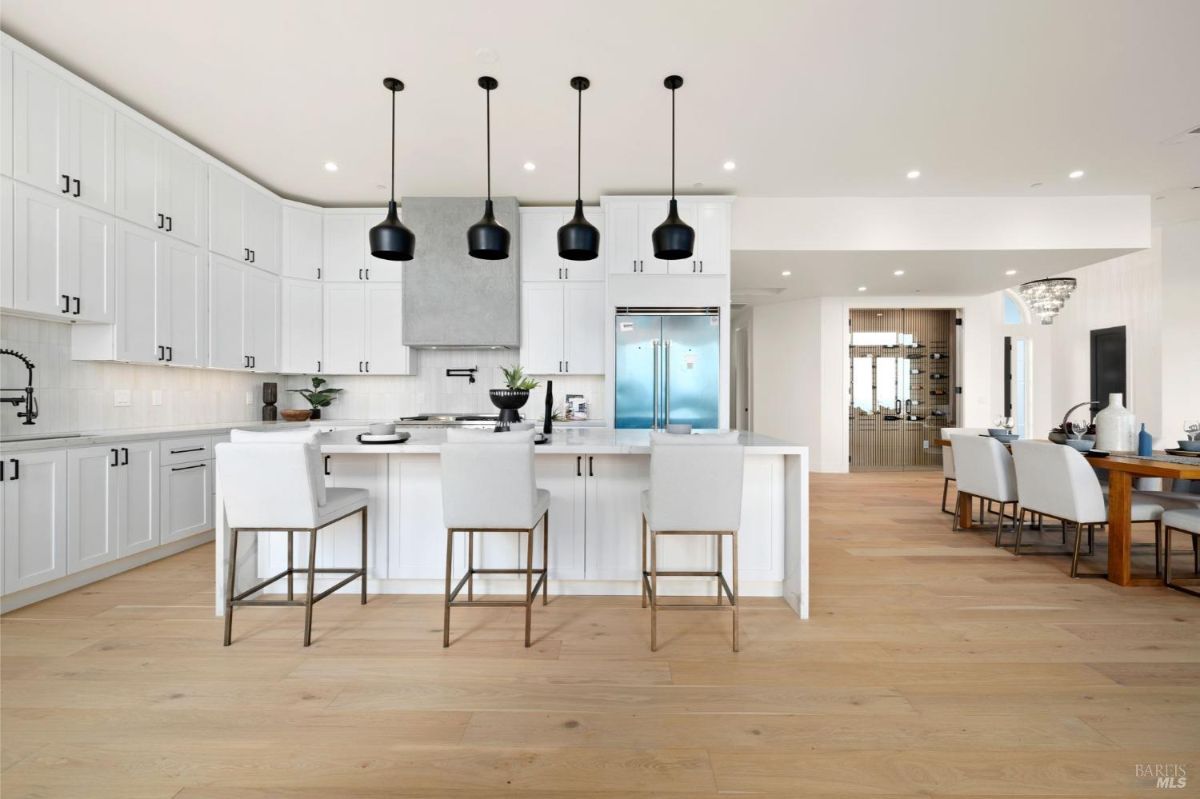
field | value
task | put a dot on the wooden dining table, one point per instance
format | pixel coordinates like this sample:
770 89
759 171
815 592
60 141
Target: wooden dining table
1121 470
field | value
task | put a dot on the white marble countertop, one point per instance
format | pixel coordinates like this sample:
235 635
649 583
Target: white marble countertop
564 441
36 441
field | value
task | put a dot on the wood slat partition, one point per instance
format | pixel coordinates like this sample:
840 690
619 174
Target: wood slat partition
909 340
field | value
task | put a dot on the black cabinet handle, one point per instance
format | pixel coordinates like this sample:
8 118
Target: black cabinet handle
560 273
116 460
702 267
360 274
590 472
161 219
170 224
247 255
566 273
579 466
318 365
245 361
170 353
327 473
66 184
368 363
76 311
16 475
190 449
162 352
76 180
66 303
253 255
1 471
566 366
318 273
253 361
368 271
124 456
360 366
185 468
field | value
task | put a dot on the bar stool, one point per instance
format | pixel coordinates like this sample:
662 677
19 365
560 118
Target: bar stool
275 482
695 489
488 486
984 469
1057 481
1188 523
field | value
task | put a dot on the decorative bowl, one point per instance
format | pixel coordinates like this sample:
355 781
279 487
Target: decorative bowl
296 415
1080 444
1190 446
509 399
996 432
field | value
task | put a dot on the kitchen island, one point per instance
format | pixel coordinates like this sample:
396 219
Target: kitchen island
595 477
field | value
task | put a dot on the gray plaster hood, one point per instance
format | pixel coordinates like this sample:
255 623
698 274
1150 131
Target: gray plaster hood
450 298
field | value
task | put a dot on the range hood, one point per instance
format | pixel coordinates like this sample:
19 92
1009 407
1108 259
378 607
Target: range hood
452 300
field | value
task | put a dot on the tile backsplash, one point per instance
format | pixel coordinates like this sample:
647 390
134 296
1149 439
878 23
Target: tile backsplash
75 396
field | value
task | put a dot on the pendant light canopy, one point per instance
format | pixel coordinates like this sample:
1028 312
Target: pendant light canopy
579 240
390 239
487 238
674 238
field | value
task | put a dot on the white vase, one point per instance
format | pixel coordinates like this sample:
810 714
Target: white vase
1115 426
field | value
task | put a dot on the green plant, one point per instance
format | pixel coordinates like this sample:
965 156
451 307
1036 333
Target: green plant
514 377
316 396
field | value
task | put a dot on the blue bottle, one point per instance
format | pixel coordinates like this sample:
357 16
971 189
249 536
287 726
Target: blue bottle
1145 442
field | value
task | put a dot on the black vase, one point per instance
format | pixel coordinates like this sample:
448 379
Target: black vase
316 413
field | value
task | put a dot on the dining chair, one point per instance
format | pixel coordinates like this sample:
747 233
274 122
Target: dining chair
985 471
488 486
1188 523
1057 481
948 460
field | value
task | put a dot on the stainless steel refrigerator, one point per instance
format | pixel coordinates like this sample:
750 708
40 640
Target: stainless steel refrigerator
668 367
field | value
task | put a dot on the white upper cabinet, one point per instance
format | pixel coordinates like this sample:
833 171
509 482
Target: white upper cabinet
63 258
62 137
159 184
136 339
630 224
385 350
542 328
583 328
226 315
182 285
303 243
261 324
363 330
347 251
302 307
539 246
243 221
563 328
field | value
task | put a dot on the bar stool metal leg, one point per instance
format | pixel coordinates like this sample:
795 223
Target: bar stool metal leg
720 558
653 591
736 600
312 578
545 557
364 556
291 592
644 570
230 578
449 561
528 585
470 565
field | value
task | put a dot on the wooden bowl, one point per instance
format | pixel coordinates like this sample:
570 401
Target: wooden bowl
296 415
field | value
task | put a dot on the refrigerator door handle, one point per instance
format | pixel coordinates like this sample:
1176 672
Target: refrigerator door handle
654 419
666 382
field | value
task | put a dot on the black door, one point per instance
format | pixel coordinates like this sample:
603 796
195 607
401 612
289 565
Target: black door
1108 363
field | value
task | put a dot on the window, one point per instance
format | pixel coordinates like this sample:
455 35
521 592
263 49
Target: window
1014 310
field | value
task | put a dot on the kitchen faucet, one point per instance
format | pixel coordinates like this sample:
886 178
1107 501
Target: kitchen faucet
31 409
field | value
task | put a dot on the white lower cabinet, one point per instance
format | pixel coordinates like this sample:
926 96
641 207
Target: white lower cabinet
614 515
33 511
186 499
112 502
138 497
417 549
564 477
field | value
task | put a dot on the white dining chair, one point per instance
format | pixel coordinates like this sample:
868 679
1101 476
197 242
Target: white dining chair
948 460
695 489
488 485
274 482
1188 523
984 470
1057 481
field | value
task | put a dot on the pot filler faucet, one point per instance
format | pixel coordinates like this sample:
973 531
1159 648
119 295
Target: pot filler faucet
31 410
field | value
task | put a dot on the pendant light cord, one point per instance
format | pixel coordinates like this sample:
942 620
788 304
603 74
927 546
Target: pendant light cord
672 144
579 148
488 94
393 145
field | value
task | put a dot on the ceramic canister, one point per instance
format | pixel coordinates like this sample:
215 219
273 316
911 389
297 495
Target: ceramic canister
1115 428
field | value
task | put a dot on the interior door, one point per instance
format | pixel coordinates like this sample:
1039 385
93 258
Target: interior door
691 370
638 390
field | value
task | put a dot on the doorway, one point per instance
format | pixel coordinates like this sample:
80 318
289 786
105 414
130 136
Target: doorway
1108 364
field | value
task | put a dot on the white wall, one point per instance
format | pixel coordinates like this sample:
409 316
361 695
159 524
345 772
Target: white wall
1180 329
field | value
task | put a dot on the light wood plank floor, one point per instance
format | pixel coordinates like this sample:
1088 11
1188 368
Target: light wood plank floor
933 665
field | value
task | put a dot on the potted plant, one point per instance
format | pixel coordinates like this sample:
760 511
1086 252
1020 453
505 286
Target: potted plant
317 396
514 395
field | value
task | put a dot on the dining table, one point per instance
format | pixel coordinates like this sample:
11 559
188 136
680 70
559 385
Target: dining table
1122 468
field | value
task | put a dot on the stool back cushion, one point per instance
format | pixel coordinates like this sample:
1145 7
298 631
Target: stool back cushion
1058 481
267 485
696 481
984 468
306 435
487 480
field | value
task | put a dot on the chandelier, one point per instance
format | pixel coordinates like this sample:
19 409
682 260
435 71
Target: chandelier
1046 297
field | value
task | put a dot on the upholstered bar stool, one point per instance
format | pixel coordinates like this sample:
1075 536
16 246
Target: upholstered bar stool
695 489
1057 481
488 486
1188 523
274 482
984 470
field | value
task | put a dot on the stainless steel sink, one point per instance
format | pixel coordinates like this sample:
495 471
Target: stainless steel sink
19 439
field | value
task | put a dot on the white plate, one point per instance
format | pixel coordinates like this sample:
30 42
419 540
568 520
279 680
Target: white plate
389 438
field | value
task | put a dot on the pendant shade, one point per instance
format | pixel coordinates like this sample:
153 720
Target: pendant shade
674 239
390 239
487 239
579 240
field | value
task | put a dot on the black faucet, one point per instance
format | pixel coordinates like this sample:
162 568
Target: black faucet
31 409
467 373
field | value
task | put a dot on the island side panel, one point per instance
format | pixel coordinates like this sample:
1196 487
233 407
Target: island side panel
795 578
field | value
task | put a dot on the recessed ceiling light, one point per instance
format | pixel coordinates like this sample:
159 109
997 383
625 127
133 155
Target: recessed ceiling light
898 272
330 166
697 185
1011 272
1037 185
913 174
729 166
862 288
530 166
786 273
1076 175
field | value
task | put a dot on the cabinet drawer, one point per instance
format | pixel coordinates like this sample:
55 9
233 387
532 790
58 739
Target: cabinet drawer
184 450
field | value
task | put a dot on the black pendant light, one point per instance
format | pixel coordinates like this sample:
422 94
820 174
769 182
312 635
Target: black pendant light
487 238
674 238
579 240
390 239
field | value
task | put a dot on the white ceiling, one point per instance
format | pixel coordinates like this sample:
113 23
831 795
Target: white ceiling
809 98
757 275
